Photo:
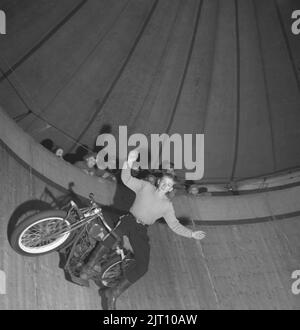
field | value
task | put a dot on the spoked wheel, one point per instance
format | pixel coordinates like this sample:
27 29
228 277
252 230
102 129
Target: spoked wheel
114 270
41 233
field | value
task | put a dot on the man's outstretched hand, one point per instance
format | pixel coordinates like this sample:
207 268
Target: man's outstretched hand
198 234
133 156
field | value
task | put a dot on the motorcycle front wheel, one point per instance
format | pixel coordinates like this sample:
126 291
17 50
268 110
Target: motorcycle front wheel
41 233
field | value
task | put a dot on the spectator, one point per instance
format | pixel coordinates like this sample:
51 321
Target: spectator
107 168
193 189
78 156
106 175
202 190
87 165
48 144
59 152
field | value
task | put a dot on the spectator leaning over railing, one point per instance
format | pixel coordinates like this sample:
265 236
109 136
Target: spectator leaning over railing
88 163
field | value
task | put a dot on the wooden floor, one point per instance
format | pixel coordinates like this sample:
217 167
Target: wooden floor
235 267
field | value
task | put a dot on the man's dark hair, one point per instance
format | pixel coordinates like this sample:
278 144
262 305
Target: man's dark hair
168 175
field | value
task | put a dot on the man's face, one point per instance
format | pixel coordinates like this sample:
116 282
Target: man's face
165 184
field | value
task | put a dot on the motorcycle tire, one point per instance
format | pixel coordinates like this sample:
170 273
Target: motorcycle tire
24 244
113 270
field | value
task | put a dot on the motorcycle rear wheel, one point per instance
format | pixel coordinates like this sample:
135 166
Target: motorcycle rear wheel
29 238
113 271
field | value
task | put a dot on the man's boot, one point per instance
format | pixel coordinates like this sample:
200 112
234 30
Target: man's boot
87 270
109 296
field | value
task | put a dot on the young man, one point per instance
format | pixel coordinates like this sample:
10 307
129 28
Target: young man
88 163
88 167
151 203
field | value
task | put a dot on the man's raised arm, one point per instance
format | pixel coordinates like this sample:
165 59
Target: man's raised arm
131 182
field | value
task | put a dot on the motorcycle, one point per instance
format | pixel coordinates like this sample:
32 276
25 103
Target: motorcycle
77 233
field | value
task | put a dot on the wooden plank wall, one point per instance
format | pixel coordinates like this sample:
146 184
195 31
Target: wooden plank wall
235 267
